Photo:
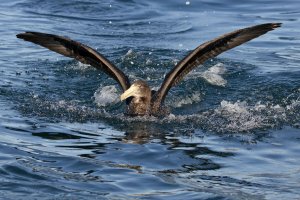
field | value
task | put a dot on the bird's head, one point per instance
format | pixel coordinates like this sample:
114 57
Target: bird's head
139 90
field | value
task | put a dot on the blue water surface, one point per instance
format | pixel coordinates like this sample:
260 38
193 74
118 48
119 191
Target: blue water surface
234 127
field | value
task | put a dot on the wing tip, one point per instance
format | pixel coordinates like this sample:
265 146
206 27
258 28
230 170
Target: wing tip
20 35
275 25
24 35
30 34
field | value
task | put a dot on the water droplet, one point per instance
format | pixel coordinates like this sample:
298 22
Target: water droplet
130 51
187 3
131 62
110 22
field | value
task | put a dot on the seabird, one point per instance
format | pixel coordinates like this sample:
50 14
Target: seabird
140 99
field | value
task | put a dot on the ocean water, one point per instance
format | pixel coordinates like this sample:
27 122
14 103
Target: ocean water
234 127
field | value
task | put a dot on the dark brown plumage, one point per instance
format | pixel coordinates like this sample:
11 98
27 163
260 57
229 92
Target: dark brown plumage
142 101
80 52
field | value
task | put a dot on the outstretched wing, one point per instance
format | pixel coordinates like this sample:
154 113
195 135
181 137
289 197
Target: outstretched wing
80 52
207 51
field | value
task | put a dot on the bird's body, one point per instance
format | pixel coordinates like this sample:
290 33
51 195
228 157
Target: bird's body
140 99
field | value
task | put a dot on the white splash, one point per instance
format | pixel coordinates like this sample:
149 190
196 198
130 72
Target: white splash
129 52
190 99
81 66
234 108
106 95
238 117
213 75
217 69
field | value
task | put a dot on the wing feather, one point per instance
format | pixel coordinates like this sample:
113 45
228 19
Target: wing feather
80 52
207 51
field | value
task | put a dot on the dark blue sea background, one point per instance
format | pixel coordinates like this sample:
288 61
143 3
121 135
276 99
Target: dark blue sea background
234 127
